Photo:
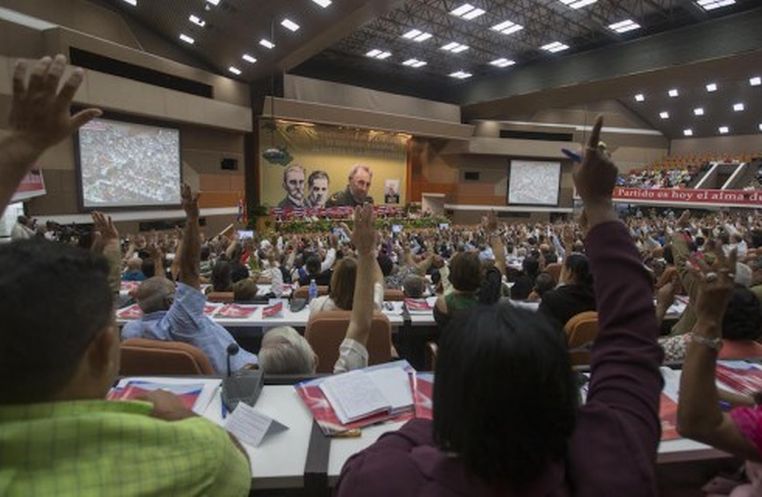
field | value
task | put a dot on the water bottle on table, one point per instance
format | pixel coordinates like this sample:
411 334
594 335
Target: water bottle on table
312 292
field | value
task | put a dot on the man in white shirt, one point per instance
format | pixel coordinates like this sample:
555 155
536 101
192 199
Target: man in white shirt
21 230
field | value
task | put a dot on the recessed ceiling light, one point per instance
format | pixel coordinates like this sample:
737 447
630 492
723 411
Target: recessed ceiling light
197 21
711 87
738 107
289 24
267 43
640 97
714 4
234 70
132 2
248 58
461 75
454 47
664 115
554 47
507 27
624 26
688 132
577 4
187 39
417 35
323 3
502 62
378 54
414 63
673 92
467 11
724 130
698 111
213 2
755 81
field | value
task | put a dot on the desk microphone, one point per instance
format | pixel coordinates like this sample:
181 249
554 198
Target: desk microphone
232 350
244 385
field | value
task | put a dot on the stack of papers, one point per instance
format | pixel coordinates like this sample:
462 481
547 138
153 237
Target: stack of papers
419 306
130 313
236 311
359 394
195 394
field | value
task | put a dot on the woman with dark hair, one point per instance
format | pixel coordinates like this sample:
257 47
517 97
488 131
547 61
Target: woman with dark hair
342 289
466 278
575 294
505 415
222 277
524 284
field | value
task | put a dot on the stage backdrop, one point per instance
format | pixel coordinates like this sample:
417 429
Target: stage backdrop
332 150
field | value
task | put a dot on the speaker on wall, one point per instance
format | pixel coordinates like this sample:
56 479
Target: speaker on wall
229 164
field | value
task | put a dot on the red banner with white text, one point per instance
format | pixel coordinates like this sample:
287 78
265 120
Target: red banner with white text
719 198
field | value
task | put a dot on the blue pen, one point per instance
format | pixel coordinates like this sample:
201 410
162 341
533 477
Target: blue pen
572 155
223 409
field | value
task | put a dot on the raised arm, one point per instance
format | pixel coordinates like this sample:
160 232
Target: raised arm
364 240
39 119
190 255
496 241
698 414
625 385
111 249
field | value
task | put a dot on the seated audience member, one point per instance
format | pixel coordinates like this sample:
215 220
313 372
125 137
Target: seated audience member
756 277
543 284
22 229
466 278
741 328
523 285
54 377
206 263
134 270
533 438
177 313
222 280
314 272
738 432
575 293
245 290
284 351
342 290
414 286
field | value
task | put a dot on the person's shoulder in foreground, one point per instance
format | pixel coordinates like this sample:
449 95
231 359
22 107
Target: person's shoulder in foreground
97 447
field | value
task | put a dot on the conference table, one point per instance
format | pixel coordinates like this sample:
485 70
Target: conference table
280 461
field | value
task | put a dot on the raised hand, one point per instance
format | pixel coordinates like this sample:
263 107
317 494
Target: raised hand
715 284
40 114
364 233
685 219
105 226
190 202
489 222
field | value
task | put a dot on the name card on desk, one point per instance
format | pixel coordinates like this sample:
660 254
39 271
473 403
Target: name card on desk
250 426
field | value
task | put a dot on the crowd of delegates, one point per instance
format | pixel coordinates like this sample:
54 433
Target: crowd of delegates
54 375
659 178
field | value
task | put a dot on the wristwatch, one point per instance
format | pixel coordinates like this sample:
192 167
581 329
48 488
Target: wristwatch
712 343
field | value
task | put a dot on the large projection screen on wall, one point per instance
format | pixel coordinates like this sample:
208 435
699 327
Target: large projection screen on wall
533 183
128 164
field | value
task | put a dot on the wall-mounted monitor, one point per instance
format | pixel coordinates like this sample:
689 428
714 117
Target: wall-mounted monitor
534 183
124 163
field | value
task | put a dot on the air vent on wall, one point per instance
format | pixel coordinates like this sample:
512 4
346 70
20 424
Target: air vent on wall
471 176
536 135
90 60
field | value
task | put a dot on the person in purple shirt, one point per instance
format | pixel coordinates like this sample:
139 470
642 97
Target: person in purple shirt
177 313
506 414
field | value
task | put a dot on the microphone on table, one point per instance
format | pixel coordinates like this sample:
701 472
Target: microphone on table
244 385
232 349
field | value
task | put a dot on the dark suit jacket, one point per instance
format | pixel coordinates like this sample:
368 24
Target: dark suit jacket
565 302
